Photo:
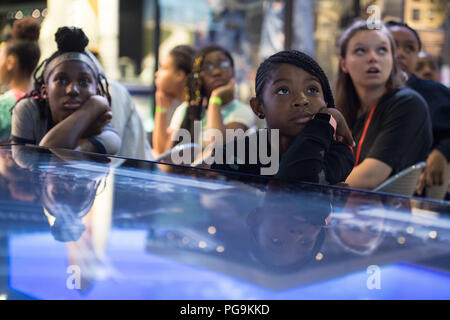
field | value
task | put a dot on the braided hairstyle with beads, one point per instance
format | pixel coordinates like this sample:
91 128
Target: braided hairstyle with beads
298 59
196 91
69 40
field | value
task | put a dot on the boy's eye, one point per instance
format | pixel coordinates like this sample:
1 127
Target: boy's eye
282 91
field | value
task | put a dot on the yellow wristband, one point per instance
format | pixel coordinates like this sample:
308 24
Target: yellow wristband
159 109
215 100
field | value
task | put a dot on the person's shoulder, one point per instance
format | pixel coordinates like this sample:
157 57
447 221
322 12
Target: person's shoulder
28 104
7 99
234 105
404 95
238 111
418 83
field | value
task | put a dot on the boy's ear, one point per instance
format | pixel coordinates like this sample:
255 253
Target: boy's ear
257 108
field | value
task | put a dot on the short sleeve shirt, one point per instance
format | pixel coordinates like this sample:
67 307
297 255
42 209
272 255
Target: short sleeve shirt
399 133
29 127
7 101
235 111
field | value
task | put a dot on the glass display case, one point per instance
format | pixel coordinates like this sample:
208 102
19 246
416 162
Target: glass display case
84 226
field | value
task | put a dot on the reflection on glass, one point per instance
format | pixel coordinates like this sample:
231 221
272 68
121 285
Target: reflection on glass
358 227
288 230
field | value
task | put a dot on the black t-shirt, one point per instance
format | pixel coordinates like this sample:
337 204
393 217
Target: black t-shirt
437 97
314 156
399 133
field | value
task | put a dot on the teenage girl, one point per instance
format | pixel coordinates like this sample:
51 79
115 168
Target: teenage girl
390 123
70 107
294 96
171 88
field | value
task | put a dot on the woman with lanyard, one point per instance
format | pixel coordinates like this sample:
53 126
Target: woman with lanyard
390 123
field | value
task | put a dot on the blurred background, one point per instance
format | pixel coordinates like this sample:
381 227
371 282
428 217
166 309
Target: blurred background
130 36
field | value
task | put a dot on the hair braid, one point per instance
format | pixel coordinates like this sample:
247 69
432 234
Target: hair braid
298 59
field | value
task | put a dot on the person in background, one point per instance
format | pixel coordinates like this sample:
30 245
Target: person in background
384 116
294 96
126 120
19 57
211 98
437 97
70 106
171 90
427 67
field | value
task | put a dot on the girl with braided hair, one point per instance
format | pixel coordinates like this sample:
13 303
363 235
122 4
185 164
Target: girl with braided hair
70 106
19 57
211 97
294 96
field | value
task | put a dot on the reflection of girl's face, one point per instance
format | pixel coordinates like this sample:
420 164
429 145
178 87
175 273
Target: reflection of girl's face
285 238
76 194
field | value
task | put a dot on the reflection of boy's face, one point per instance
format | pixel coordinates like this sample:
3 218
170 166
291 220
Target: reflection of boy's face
291 97
285 238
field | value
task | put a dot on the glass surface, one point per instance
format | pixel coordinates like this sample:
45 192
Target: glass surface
84 226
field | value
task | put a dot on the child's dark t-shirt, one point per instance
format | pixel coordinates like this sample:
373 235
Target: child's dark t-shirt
314 156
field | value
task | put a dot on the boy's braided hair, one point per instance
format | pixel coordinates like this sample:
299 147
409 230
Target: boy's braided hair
298 59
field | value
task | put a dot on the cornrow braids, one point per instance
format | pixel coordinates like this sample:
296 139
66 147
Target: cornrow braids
298 59
392 23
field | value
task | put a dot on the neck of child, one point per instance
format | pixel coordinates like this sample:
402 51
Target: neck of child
368 97
21 83
285 143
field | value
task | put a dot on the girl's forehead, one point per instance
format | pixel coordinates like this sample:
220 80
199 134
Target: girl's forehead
214 56
370 37
403 32
290 71
73 67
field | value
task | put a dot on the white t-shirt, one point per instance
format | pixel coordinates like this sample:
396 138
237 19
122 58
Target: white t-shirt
235 111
